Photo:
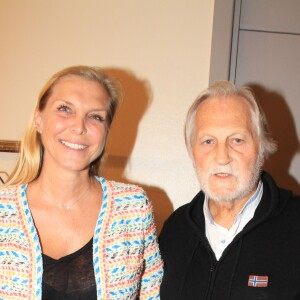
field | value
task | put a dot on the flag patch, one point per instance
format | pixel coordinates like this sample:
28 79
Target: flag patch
258 281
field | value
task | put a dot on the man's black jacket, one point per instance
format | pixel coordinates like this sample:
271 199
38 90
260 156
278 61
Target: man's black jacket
269 245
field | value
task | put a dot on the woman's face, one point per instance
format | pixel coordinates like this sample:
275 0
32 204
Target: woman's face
73 124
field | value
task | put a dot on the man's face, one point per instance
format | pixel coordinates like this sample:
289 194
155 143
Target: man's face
225 149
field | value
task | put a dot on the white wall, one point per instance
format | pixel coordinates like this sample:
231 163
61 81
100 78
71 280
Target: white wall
159 50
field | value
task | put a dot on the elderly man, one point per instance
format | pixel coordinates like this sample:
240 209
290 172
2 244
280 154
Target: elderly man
239 238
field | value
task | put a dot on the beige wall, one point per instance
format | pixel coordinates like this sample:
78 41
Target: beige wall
159 50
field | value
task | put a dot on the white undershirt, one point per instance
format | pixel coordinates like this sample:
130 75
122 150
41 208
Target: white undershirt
220 237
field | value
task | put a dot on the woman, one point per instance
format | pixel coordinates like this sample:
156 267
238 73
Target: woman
65 232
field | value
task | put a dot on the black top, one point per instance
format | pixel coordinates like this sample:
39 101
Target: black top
70 277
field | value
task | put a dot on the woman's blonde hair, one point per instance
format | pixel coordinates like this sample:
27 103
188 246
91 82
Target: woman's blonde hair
31 151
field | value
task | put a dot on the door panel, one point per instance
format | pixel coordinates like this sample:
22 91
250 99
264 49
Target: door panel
271 15
270 63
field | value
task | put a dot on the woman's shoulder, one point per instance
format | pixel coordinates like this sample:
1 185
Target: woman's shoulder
9 191
10 201
125 194
121 187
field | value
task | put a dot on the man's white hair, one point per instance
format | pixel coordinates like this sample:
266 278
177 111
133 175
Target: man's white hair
224 90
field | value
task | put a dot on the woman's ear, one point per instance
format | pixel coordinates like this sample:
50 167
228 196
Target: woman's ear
38 121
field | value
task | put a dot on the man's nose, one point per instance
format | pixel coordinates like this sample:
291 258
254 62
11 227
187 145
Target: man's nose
223 154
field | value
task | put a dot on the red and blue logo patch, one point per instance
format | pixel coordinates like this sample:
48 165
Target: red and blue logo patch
258 281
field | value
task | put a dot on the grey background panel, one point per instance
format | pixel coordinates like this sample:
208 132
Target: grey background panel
265 55
272 60
271 15
270 64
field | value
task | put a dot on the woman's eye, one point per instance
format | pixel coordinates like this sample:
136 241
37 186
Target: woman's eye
98 118
64 108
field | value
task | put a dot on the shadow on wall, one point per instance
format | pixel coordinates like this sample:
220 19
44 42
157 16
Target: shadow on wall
3 177
122 136
283 131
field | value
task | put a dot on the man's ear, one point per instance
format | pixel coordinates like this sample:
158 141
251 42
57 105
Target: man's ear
38 120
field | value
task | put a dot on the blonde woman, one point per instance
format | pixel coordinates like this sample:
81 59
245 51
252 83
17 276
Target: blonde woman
66 232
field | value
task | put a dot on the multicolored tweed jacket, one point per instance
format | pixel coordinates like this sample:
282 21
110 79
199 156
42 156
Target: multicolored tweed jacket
126 257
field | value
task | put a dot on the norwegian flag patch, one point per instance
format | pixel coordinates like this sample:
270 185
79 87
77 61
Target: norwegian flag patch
258 281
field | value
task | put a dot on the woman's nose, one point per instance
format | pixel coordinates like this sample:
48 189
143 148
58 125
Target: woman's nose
78 126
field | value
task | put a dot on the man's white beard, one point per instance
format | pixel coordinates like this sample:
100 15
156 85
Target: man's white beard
245 183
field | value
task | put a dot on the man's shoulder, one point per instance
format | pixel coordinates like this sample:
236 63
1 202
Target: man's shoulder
182 215
179 213
180 229
283 193
283 202
289 200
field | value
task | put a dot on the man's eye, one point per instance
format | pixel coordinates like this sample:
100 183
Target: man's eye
237 141
208 142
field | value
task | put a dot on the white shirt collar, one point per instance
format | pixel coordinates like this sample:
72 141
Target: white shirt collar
220 237
251 204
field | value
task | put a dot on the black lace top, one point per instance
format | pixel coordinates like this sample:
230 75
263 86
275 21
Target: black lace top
70 277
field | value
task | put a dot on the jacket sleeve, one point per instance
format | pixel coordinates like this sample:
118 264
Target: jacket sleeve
153 265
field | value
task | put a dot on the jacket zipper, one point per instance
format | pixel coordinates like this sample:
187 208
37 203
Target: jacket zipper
212 271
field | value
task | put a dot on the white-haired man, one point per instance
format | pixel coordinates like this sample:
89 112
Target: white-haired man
239 238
